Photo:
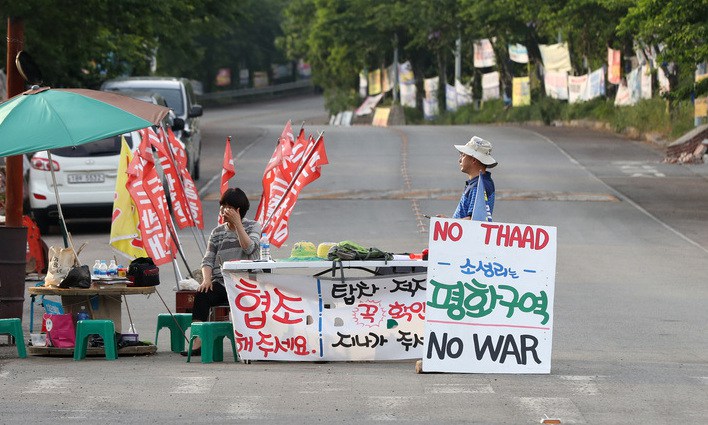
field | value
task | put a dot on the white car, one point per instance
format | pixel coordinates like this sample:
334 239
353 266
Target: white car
85 176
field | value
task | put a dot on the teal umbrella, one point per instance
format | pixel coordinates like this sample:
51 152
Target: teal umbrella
45 118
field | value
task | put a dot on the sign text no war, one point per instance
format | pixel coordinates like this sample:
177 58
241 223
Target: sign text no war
490 295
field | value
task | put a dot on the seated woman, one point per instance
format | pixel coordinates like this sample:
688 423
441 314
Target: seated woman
236 239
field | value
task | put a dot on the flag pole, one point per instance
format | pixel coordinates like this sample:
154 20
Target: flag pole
292 181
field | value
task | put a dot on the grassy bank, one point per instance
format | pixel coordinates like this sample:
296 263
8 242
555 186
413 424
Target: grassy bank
647 116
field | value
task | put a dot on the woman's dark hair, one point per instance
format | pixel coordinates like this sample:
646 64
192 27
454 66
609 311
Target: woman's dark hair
235 198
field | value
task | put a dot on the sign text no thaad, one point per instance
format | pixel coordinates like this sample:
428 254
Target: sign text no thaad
490 291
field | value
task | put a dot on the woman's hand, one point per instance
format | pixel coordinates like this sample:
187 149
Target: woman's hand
206 286
232 217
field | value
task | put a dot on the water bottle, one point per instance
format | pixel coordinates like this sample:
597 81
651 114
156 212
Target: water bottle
112 269
82 315
103 269
265 247
96 269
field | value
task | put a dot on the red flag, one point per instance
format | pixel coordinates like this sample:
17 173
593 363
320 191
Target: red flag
180 206
228 170
190 189
277 175
315 156
145 188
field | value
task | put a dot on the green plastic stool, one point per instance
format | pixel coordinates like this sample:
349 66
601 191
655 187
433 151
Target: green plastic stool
13 326
212 335
86 328
178 324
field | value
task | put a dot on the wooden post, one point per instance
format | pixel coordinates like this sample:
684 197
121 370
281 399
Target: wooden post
15 86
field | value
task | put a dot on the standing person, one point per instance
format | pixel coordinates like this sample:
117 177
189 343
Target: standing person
475 158
236 239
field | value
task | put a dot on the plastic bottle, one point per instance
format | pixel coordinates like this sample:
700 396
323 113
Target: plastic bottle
112 269
265 248
103 269
96 268
82 315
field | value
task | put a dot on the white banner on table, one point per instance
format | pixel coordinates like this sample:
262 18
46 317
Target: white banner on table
305 318
490 293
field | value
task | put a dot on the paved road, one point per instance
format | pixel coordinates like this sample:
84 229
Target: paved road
630 341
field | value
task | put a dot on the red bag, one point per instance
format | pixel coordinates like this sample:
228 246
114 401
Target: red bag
60 330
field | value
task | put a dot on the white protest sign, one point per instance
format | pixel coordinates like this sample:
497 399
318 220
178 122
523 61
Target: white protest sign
490 295
305 318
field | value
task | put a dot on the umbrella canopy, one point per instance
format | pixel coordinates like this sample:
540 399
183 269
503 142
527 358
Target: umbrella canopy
45 118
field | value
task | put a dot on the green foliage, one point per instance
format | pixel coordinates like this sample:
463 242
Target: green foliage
83 42
680 27
651 115
413 115
340 100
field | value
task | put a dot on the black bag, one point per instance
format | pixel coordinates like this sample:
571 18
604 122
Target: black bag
78 277
143 272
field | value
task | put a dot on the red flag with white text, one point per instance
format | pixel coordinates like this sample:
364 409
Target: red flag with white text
314 157
145 187
190 188
180 207
277 175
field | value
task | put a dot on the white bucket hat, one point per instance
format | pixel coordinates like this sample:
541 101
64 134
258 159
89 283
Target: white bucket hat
480 149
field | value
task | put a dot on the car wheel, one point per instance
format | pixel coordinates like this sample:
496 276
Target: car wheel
42 220
195 174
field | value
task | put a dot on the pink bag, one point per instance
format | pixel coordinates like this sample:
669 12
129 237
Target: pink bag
60 330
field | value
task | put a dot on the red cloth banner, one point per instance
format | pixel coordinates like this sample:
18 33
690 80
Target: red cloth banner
179 201
228 170
314 158
190 188
145 187
277 175
228 167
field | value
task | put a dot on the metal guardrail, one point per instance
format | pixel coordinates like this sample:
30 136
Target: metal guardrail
229 96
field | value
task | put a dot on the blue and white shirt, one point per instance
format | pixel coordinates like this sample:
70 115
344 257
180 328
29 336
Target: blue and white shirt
464 208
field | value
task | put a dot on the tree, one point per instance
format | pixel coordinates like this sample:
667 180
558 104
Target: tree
83 42
680 30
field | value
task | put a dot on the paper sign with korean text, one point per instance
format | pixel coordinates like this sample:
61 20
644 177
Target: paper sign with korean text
490 289
305 318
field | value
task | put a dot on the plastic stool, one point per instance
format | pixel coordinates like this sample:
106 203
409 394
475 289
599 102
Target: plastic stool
13 326
177 324
86 328
212 335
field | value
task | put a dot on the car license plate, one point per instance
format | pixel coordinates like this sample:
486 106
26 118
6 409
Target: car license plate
86 178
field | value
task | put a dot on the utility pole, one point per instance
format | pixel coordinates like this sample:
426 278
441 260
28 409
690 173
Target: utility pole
458 59
15 86
395 68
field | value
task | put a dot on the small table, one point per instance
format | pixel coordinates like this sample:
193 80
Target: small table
109 307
